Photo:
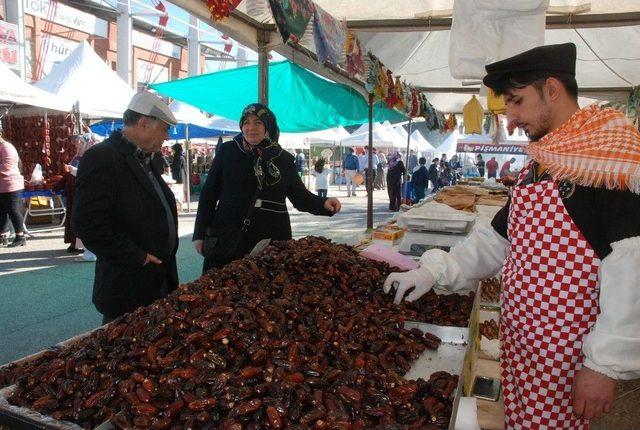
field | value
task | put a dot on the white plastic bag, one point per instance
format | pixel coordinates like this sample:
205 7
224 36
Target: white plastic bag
36 176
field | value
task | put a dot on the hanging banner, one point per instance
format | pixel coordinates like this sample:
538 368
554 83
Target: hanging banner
9 44
490 148
353 52
329 35
292 17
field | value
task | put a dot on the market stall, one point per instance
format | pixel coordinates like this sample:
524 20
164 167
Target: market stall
265 342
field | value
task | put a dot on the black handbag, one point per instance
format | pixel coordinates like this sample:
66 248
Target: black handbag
224 244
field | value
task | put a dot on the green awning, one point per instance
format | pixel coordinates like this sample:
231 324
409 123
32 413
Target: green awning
301 100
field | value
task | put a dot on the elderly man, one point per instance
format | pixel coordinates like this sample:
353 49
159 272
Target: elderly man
125 213
569 241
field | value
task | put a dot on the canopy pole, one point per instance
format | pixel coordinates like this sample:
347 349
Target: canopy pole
341 166
406 164
187 143
263 67
369 177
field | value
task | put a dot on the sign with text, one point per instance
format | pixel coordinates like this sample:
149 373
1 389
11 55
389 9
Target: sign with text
68 16
491 148
9 45
58 49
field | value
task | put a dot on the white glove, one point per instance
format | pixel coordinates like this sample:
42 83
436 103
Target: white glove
421 280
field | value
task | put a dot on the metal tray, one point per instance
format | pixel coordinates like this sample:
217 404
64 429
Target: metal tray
18 417
448 334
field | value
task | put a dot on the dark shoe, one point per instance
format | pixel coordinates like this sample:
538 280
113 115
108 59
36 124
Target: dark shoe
17 241
73 250
4 241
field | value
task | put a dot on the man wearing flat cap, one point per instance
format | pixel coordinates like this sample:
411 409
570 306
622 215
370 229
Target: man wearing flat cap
568 241
125 213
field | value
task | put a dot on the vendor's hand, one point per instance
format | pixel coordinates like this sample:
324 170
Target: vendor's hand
593 394
151 259
421 280
332 205
67 168
199 245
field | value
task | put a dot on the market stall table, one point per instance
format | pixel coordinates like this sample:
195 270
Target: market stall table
57 209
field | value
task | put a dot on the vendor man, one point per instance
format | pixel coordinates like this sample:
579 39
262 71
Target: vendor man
569 240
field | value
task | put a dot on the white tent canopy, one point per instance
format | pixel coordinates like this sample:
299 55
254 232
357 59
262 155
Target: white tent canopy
381 137
15 90
421 143
84 77
187 114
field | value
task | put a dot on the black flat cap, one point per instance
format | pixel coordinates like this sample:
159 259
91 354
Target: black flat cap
559 59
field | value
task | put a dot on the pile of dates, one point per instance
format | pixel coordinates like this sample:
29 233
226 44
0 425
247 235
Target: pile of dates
299 337
490 290
489 329
442 309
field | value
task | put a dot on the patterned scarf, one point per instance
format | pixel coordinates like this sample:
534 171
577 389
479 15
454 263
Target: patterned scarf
595 147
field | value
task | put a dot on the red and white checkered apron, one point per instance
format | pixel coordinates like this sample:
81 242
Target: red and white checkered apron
550 300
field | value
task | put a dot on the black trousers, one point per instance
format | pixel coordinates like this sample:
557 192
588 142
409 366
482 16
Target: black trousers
10 208
395 195
322 193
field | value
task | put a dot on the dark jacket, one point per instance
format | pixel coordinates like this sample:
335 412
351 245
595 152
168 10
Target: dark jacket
120 217
433 173
178 168
420 178
230 186
395 173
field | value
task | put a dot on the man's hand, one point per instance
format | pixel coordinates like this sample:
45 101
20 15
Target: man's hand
199 245
332 205
151 259
593 394
418 281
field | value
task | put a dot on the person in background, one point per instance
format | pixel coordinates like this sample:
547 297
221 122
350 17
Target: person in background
82 142
382 169
178 164
456 167
253 166
377 183
350 166
492 168
368 170
412 162
445 171
321 173
567 244
394 180
434 175
420 180
299 161
480 165
506 168
11 185
126 214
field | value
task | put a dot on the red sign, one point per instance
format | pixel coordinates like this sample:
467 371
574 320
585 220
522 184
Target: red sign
491 148
9 44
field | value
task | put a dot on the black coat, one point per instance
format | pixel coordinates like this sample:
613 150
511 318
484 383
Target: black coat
230 186
178 168
394 174
120 217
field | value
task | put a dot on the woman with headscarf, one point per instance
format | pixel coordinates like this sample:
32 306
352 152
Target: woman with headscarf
395 173
252 175
67 183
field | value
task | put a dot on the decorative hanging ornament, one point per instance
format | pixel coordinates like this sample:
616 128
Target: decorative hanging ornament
221 9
